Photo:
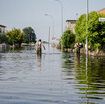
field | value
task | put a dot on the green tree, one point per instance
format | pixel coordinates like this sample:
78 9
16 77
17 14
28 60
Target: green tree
30 35
3 38
0 30
80 29
68 38
96 30
15 36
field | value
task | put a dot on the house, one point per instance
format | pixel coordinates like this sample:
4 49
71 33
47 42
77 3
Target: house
70 25
2 29
102 11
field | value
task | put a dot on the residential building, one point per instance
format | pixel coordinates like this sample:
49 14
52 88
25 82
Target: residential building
2 29
70 25
102 11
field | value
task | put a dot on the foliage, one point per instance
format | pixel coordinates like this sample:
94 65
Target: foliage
96 29
30 35
15 36
0 30
3 38
80 29
68 38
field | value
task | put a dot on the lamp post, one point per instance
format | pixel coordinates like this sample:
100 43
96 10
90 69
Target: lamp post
52 22
61 4
87 30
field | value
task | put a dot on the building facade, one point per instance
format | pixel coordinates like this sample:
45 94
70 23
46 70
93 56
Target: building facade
70 25
2 29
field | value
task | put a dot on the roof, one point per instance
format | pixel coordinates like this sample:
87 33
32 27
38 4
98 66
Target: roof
101 9
2 26
71 20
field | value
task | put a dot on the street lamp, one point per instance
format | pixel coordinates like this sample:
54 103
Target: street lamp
52 22
61 4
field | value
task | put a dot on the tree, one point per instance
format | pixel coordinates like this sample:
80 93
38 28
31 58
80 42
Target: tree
68 38
80 29
15 36
30 35
3 38
96 30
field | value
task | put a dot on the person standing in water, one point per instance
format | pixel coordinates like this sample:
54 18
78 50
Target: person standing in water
38 47
77 47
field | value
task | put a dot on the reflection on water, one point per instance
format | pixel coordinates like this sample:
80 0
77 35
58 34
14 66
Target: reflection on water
52 78
39 61
89 76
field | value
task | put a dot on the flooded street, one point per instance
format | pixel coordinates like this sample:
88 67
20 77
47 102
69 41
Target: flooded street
53 78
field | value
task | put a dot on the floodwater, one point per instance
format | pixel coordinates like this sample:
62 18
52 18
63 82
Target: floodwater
53 78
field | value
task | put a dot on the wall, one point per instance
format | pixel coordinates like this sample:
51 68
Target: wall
70 25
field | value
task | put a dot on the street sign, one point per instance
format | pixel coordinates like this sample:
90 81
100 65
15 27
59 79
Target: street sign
102 19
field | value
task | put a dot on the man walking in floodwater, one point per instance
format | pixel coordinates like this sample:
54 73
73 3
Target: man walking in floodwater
38 47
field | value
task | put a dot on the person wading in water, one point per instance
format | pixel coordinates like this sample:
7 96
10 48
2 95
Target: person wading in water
77 47
38 47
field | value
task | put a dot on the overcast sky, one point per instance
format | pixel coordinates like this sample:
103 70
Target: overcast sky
23 13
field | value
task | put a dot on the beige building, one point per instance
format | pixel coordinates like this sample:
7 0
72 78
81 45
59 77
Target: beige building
70 25
2 29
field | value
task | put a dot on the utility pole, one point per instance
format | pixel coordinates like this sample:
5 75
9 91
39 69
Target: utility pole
61 4
52 22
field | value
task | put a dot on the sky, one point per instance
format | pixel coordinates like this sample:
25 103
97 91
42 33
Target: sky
31 13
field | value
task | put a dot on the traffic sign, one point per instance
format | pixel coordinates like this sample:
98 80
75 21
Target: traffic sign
101 19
